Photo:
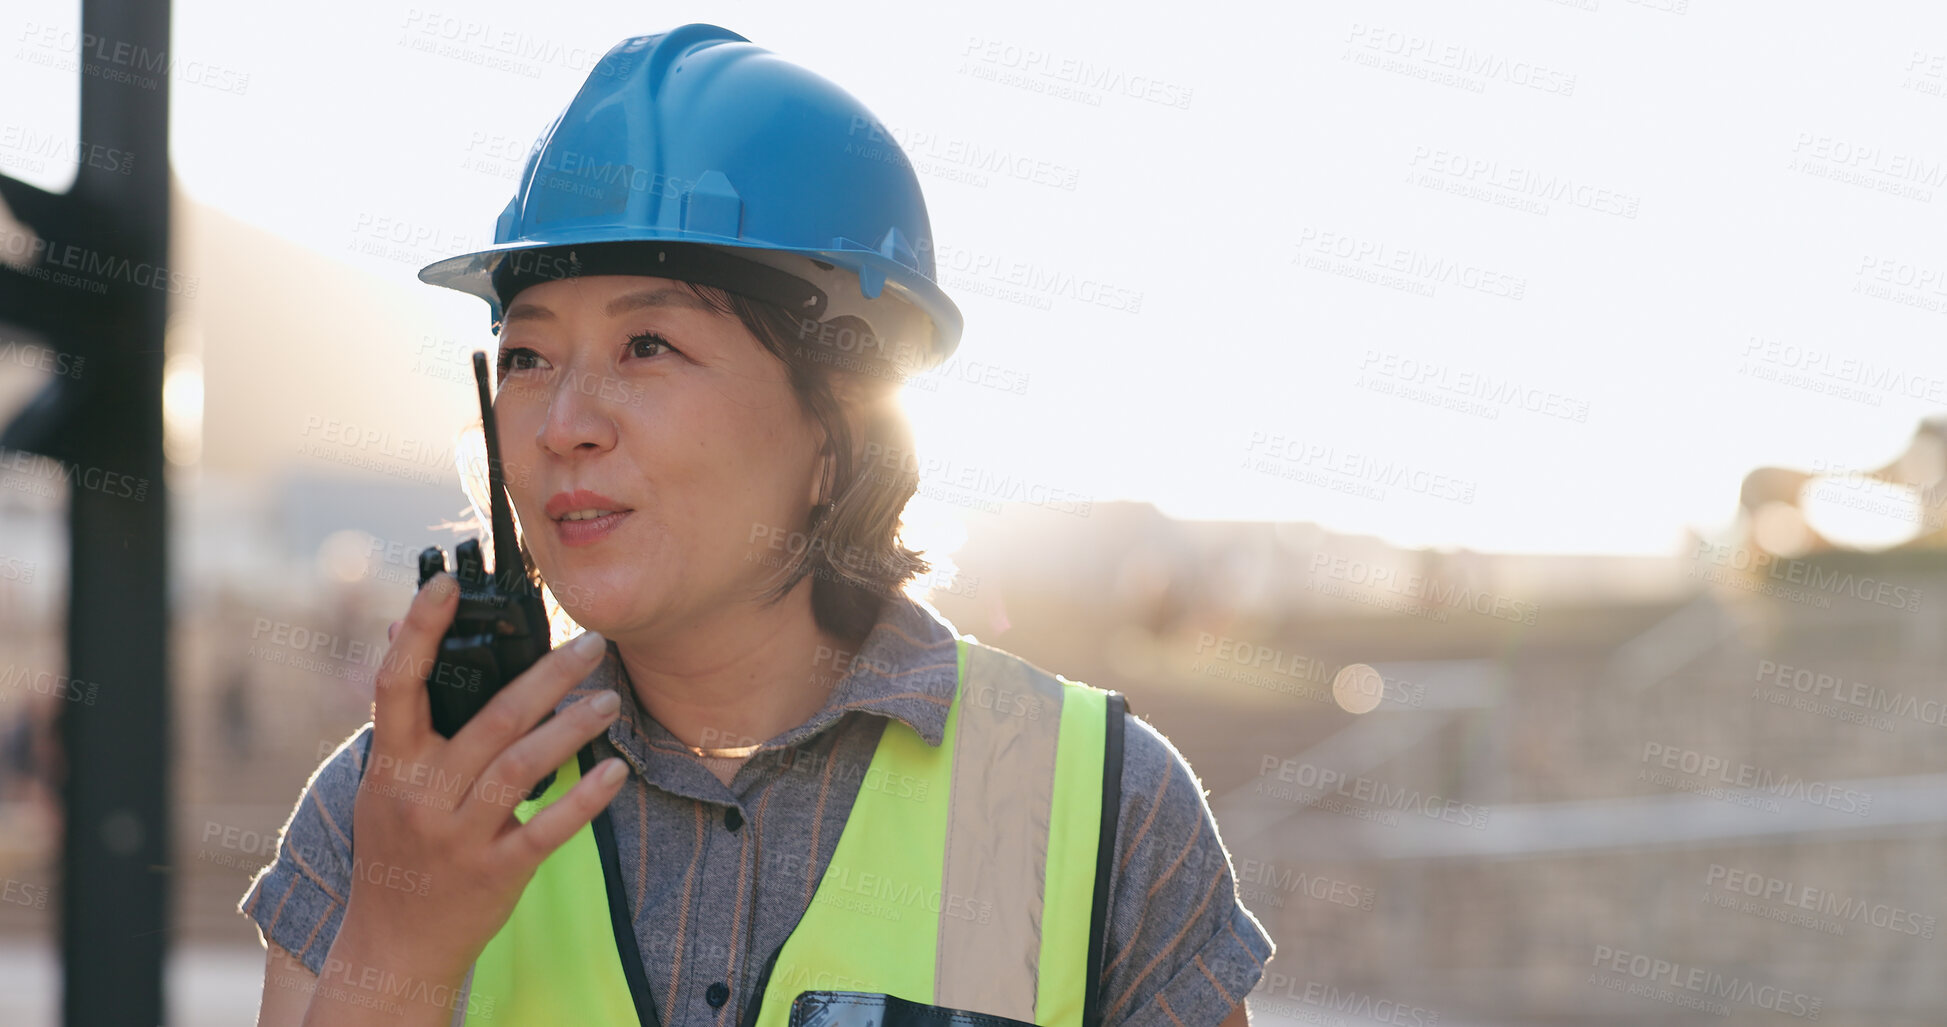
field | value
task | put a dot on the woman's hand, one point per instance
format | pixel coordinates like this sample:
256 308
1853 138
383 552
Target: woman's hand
439 859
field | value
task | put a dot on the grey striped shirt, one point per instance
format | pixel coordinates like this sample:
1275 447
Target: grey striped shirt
717 876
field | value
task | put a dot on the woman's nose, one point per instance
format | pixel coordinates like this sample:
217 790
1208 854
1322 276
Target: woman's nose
578 418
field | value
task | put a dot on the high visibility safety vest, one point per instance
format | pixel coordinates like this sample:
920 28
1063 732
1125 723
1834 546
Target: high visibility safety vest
970 882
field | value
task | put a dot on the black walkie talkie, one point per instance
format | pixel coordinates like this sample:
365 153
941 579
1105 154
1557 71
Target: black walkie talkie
500 628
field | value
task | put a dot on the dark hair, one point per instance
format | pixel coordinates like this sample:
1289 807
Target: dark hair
851 547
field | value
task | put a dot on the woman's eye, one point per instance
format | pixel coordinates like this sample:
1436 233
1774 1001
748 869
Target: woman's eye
520 359
648 344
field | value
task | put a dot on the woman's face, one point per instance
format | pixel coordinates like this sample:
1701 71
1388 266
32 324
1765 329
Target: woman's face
653 447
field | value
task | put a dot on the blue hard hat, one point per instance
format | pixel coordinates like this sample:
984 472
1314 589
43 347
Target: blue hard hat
699 138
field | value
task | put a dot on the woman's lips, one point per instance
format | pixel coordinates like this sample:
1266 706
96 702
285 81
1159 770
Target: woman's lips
589 532
563 503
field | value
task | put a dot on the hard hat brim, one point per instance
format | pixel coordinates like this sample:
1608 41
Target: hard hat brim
472 273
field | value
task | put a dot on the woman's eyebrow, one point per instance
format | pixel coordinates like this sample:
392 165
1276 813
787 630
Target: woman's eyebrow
526 312
663 297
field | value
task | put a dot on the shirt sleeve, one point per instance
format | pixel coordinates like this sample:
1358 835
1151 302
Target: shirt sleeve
1182 951
298 901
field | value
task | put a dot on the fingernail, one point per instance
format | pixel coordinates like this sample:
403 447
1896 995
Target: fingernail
605 703
589 643
610 772
443 585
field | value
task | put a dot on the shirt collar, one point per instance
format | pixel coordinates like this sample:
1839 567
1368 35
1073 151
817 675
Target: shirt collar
907 670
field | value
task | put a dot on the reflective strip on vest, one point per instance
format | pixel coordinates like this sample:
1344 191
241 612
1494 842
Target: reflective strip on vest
963 878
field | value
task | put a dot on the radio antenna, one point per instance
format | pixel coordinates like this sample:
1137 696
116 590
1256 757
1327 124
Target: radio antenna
508 566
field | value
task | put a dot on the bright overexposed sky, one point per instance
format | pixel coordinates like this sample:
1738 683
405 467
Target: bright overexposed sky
1695 237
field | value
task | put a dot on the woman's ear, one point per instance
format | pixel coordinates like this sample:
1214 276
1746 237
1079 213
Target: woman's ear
822 475
856 397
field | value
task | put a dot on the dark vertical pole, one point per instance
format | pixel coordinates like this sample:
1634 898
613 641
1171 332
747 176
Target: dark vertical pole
100 287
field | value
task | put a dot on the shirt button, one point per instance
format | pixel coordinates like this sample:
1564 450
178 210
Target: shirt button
732 820
717 995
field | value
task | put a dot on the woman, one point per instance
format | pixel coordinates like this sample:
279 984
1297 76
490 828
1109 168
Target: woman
784 791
